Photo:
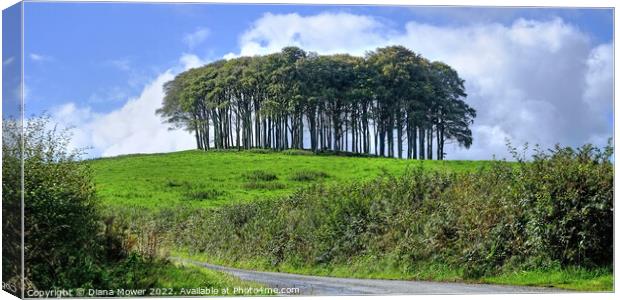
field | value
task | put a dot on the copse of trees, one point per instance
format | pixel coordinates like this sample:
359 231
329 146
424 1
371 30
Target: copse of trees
372 104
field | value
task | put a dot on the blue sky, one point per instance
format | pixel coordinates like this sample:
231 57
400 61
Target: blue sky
102 52
99 56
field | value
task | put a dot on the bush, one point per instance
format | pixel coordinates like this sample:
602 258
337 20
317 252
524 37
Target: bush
62 236
68 242
11 206
570 196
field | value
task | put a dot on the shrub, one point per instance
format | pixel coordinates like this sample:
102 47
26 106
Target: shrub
68 243
61 219
11 206
570 196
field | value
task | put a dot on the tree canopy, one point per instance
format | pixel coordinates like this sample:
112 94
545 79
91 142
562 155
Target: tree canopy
298 99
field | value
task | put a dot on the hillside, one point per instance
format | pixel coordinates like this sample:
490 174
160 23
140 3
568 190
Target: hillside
205 179
372 217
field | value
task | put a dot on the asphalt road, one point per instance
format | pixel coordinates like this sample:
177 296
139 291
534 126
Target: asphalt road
319 285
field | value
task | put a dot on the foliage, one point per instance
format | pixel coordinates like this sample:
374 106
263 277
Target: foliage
580 279
554 211
270 102
11 205
61 220
163 277
69 242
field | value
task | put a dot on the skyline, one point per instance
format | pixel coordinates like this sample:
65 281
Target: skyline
555 84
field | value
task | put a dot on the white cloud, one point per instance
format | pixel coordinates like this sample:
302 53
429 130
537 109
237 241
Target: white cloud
324 33
540 82
197 37
39 57
599 78
133 128
189 61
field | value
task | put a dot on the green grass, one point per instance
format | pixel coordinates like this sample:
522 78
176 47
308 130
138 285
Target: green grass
575 279
207 179
363 268
184 280
210 179
572 278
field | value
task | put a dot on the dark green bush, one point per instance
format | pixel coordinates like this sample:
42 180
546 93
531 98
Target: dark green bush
62 224
11 206
68 244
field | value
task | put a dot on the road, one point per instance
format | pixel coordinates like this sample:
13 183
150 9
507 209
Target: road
319 285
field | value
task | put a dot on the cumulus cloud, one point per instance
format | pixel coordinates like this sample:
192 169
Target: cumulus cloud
528 81
133 128
541 82
599 78
324 33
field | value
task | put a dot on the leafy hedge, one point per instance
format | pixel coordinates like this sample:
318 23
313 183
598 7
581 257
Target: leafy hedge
68 243
553 210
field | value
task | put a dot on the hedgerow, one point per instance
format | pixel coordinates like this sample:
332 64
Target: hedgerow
553 210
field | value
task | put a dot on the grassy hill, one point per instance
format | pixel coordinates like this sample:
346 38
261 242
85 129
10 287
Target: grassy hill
207 179
543 222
